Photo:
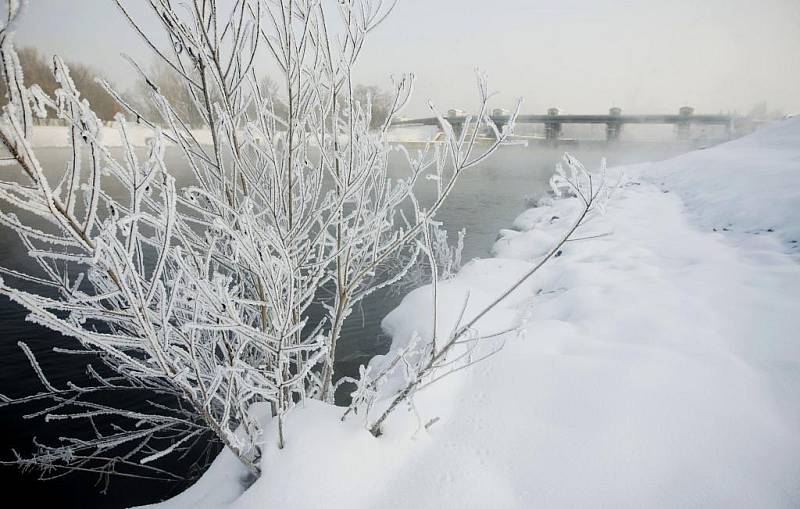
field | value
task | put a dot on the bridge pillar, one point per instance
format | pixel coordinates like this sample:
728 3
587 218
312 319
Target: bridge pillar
613 128
682 127
552 128
498 114
456 119
730 128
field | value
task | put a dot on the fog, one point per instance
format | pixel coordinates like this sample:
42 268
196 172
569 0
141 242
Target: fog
583 56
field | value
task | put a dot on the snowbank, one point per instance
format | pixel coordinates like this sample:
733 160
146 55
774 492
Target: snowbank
659 365
412 134
58 136
750 185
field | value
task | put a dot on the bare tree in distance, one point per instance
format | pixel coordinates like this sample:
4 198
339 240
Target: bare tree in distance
378 100
36 69
173 88
179 93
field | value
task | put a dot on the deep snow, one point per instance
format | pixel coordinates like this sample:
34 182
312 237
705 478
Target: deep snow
659 365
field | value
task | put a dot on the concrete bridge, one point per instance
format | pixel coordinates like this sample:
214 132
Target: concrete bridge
553 121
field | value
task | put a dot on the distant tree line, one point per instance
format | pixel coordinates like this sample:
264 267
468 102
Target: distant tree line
38 69
174 89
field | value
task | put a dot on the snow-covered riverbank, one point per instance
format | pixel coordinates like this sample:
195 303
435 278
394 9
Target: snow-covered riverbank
46 136
660 364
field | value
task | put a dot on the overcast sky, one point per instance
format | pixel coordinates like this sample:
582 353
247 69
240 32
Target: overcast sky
646 56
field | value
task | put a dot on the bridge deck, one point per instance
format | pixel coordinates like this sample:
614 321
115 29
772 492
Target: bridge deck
583 119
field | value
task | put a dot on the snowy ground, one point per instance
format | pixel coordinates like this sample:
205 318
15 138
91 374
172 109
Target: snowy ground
58 136
412 134
660 365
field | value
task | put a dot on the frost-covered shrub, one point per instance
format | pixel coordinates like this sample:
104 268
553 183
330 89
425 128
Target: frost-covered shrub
203 292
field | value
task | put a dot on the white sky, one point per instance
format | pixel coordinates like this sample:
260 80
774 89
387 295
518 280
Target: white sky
646 56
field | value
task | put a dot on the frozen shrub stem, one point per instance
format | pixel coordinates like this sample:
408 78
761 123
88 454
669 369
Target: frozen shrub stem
458 351
201 293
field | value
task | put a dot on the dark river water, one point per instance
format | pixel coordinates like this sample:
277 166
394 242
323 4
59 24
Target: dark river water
484 201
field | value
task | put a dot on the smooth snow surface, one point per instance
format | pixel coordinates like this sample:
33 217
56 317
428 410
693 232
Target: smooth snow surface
660 364
750 185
